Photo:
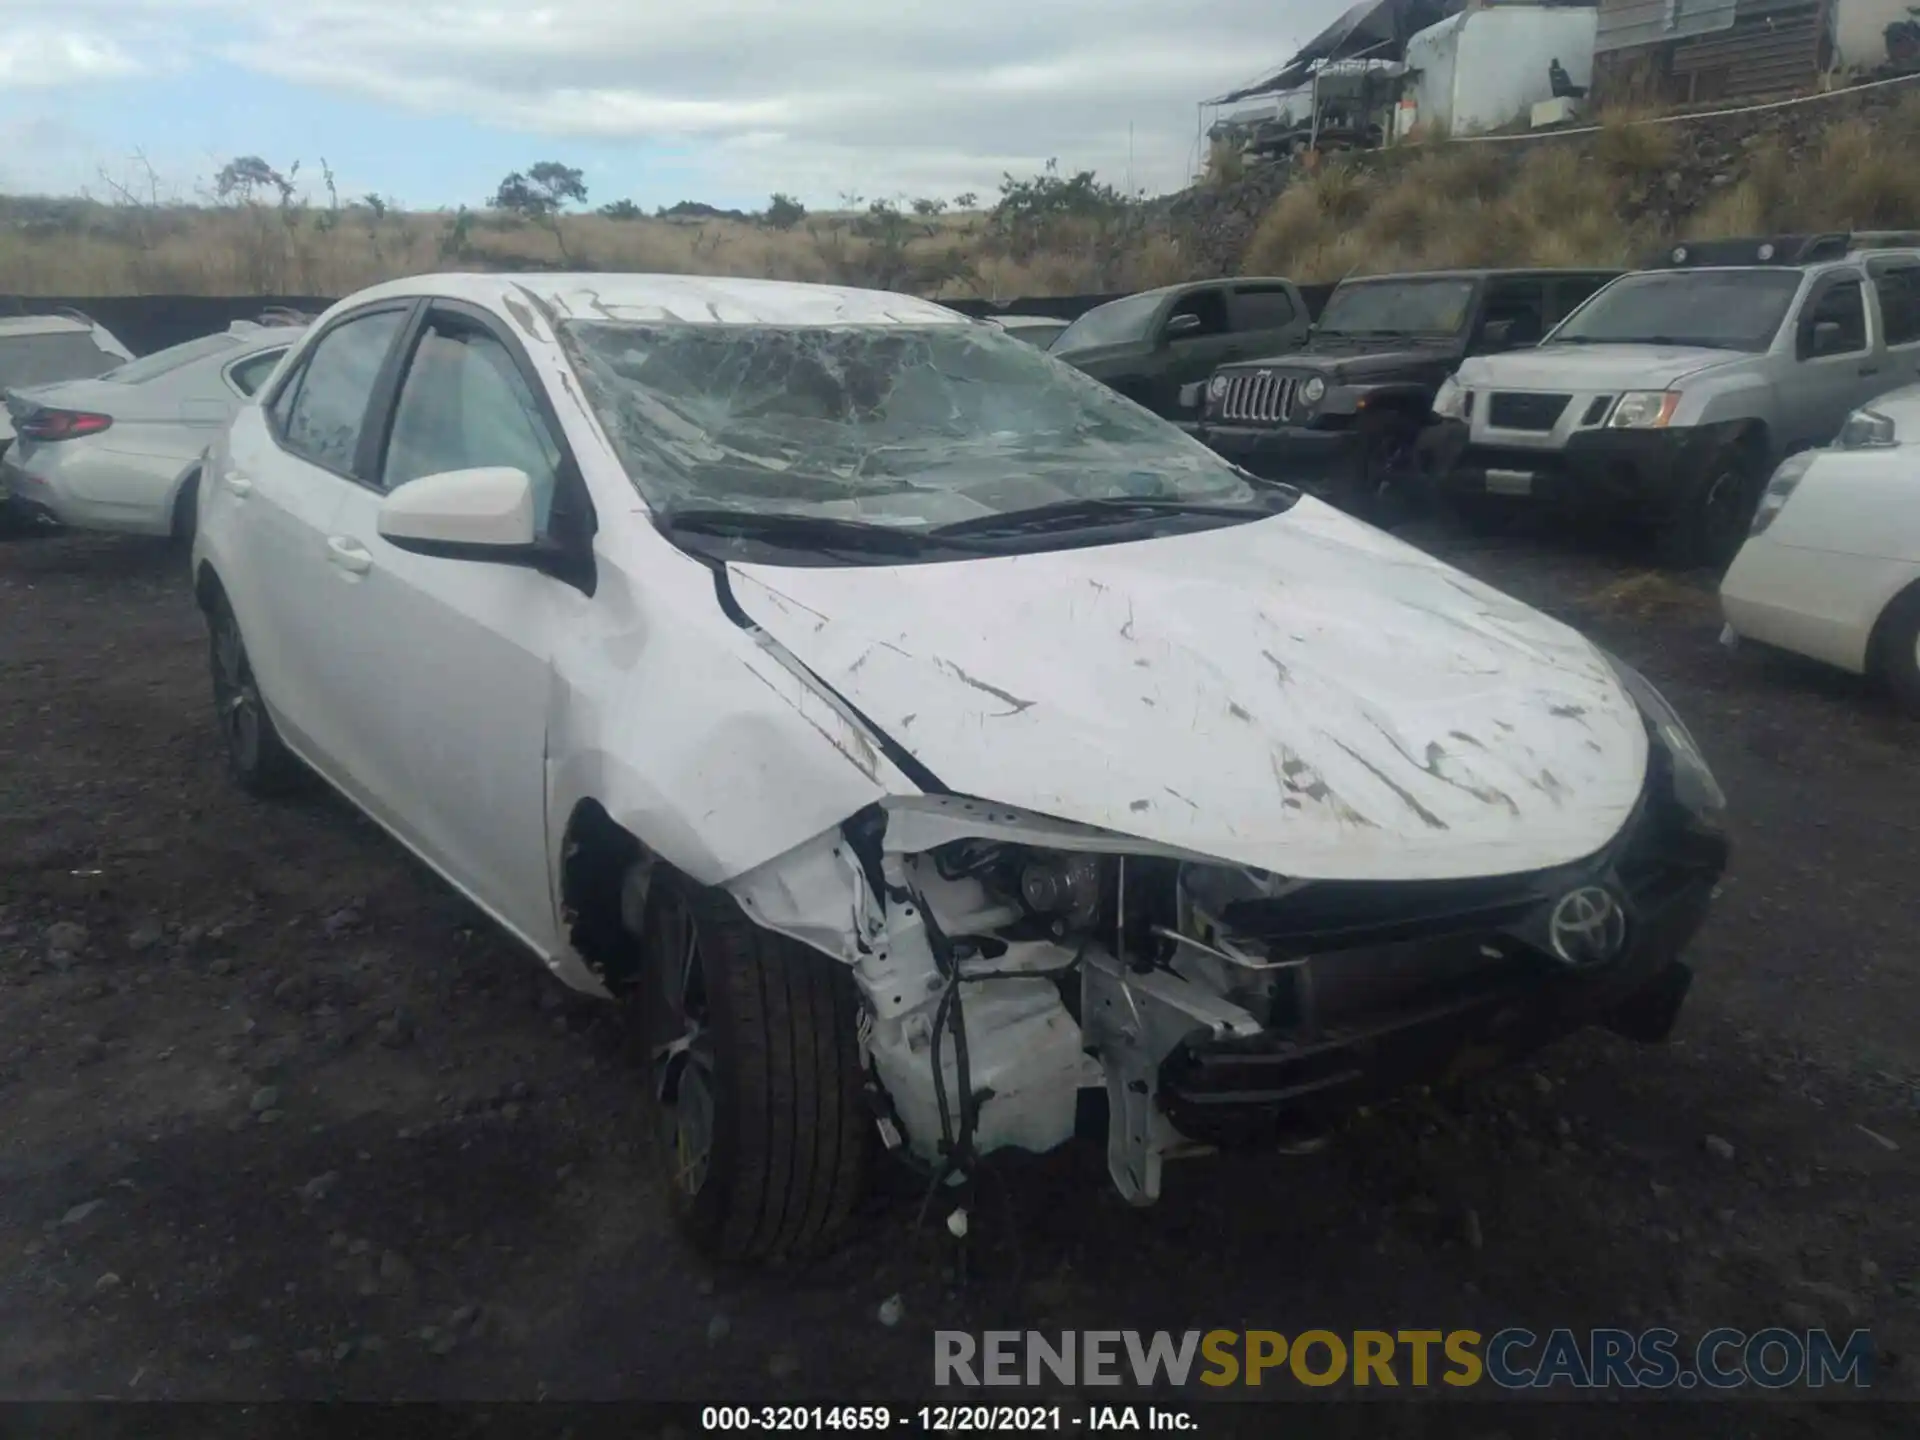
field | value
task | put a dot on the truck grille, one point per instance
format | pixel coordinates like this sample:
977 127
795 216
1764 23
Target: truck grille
1260 396
1510 410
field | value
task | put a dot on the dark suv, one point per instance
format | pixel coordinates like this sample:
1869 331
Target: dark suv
1159 347
1341 416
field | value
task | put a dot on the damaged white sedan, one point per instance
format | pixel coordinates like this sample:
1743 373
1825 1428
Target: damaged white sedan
939 750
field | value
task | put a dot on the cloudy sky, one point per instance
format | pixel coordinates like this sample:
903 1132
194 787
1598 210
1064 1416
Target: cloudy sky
432 101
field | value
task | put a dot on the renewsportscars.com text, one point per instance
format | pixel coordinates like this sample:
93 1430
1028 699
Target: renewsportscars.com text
1510 1359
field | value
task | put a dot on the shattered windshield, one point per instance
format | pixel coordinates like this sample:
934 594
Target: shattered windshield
1118 322
1398 307
891 425
1714 309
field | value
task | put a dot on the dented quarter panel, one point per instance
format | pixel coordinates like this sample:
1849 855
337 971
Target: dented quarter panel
1302 694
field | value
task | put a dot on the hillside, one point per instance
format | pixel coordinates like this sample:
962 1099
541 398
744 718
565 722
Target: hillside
1602 196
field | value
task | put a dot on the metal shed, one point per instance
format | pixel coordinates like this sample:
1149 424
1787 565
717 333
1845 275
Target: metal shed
1699 51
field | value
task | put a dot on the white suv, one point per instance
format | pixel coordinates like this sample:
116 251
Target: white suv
926 739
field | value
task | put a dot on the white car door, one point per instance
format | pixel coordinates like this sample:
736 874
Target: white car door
292 462
454 655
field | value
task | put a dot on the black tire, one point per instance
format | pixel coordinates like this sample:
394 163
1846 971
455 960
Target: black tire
1895 658
1381 494
765 1030
186 510
259 760
1710 523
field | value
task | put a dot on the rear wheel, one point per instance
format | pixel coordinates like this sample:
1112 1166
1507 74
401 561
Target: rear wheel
762 1131
259 761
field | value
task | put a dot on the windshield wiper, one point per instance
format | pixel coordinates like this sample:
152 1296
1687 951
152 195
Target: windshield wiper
1112 509
801 531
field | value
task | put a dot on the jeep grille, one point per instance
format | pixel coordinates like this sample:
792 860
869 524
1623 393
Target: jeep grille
1258 395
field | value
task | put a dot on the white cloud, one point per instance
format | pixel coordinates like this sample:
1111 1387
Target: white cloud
42 55
811 96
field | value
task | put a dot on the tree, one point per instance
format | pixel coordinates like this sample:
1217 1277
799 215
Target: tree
540 193
784 212
242 177
622 210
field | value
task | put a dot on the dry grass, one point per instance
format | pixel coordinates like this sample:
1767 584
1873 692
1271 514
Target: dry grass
1651 595
1552 202
1560 203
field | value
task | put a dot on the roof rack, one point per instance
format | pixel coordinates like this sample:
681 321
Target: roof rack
1777 249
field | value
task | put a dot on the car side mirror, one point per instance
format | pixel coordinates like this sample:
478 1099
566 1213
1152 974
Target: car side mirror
1826 338
1179 326
480 514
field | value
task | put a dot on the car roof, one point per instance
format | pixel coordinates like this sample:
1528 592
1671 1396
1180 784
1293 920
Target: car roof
1559 272
672 299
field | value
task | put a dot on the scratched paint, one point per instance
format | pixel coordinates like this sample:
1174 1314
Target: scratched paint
1377 716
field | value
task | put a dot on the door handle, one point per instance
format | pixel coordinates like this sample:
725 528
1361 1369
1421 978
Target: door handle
1866 370
350 555
238 483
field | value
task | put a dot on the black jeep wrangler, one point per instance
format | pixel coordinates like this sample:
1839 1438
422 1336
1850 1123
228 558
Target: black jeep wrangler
1341 417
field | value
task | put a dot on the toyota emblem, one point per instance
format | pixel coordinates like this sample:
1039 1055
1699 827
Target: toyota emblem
1587 927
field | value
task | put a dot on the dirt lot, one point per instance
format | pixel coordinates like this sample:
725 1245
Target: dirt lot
284 1118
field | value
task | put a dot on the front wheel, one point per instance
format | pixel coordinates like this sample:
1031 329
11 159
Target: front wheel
754 1058
1715 511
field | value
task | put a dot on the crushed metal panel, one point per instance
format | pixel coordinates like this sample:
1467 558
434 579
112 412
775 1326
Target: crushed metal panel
1302 694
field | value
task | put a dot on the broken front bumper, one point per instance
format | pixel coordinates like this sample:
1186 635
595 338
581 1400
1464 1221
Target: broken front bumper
1389 986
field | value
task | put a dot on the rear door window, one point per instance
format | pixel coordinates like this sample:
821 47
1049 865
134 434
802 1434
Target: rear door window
250 374
1262 307
329 405
1896 285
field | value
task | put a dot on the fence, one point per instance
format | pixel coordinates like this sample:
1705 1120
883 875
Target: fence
145 323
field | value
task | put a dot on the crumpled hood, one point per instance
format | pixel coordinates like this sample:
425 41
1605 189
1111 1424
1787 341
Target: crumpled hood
1301 694
1591 367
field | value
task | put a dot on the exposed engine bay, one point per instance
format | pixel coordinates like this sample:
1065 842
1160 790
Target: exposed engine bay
1010 964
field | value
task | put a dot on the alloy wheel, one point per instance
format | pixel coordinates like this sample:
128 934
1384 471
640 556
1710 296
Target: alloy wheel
682 1052
236 695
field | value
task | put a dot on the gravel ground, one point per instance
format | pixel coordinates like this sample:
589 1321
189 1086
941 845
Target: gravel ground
286 1118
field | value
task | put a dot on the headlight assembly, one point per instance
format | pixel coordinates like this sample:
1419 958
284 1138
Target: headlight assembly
1644 410
1693 782
1314 391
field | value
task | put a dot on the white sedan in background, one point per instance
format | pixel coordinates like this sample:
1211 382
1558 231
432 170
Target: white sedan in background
121 451
1831 569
